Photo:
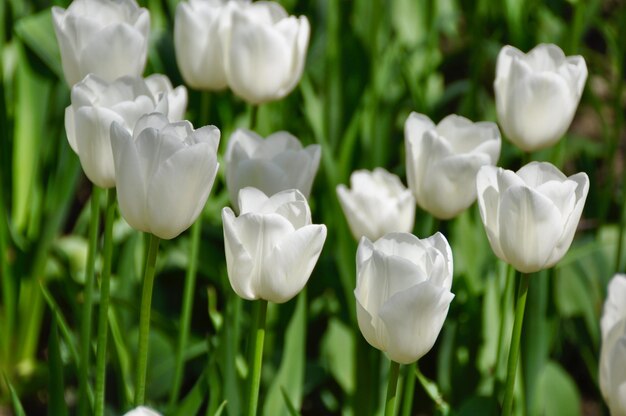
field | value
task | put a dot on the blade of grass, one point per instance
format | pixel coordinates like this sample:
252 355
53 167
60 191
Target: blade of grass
56 385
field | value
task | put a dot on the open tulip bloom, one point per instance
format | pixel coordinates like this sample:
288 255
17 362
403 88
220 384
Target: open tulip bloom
97 103
378 203
530 215
403 293
102 37
276 163
272 247
613 352
165 172
257 49
537 94
442 161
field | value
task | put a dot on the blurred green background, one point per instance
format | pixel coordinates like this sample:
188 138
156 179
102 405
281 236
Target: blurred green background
370 63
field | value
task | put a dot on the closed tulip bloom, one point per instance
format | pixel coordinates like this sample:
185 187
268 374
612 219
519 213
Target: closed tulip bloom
97 103
530 216
271 165
442 161
102 37
272 247
403 293
164 173
537 94
264 50
377 203
613 352
199 51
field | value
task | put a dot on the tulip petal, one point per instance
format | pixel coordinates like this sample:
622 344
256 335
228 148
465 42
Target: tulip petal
359 223
291 263
413 319
614 309
530 227
107 54
256 173
251 199
415 128
179 189
366 324
70 130
535 174
239 263
131 186
441 246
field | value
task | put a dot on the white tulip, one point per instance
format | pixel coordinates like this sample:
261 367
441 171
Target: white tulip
164 173
271 165
102 37
198 48
537 94
403 293
272 247
377 204
97 103
612 366
442 161
530 216
142 411
264 50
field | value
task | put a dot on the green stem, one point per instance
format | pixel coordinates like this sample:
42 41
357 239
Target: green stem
520 306
190 281
431 388
254 109
390 401
409 390
509 277
103 311
144 320
260 313
85 329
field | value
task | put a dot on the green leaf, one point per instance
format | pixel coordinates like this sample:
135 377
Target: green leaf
290 376
192 402
37 32
556 393
56 386
338 353
17 405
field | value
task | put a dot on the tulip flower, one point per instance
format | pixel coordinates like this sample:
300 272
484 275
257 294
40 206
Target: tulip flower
537 94
102 37
530 216
271 165
272 247
442 161
403 293
263 50
97 103
613 352
142 411
377 204
164 173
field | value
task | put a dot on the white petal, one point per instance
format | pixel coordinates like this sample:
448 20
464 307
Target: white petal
239 262
614 309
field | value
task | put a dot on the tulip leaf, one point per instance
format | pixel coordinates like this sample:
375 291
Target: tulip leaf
289 380
338 352
192 402
56 386
556 393
15 399
37 32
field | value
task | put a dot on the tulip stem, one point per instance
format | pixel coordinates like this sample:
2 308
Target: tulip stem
144 320
183 333
260 312
103 327
254 109
522 292
390 401
409 390
85 328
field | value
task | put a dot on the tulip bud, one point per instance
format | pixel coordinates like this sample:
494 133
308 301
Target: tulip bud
164 173
377 204
142 411
102 37
272 247
530 216
264 50
442 161
537 94
271 165
97 103
612 366
403 293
